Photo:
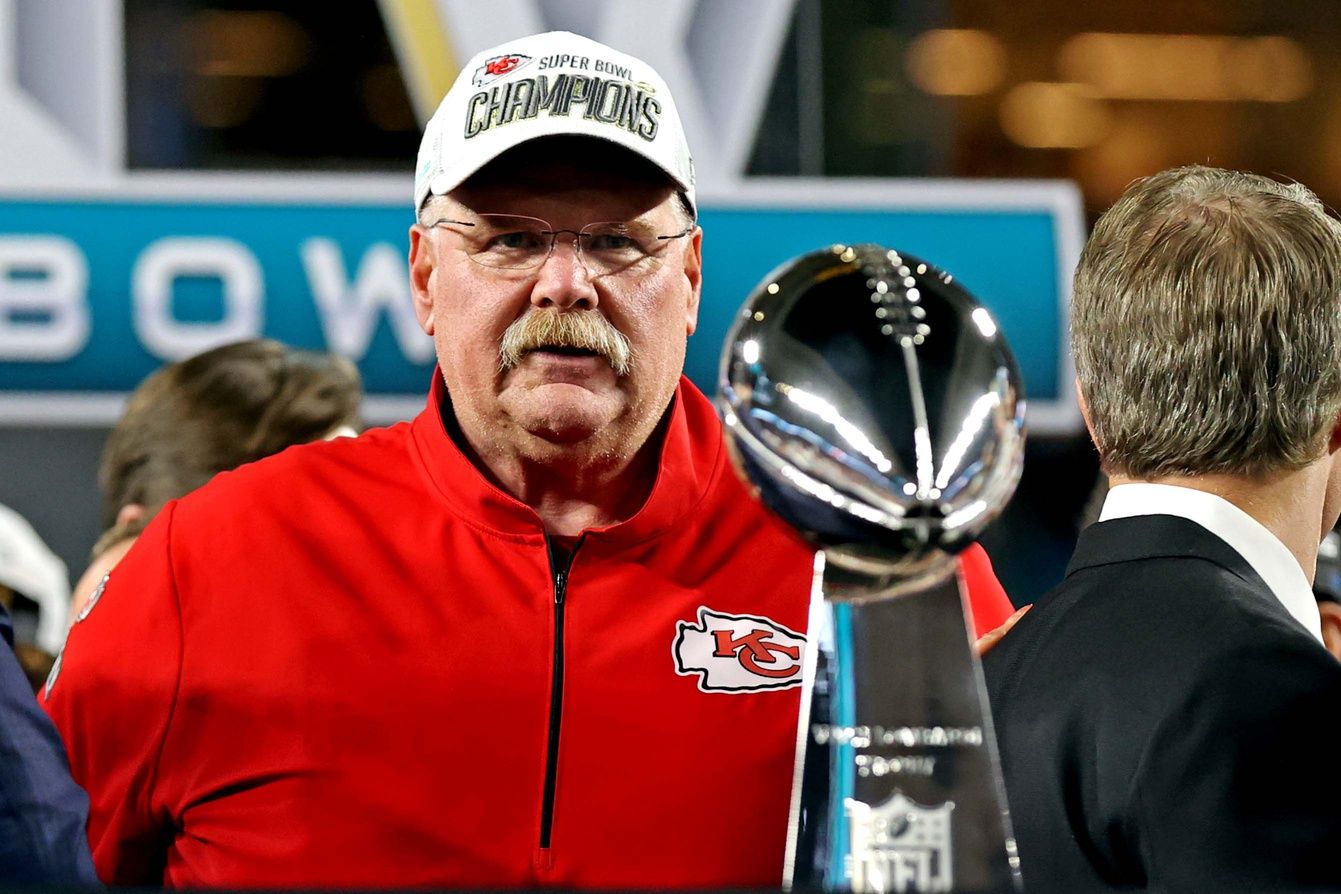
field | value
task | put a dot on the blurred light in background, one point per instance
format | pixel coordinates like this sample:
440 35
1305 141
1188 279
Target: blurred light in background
246 44
1188 67
956 62
1043 115
230 52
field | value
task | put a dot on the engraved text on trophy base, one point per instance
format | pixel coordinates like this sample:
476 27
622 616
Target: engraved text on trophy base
912 765
907 736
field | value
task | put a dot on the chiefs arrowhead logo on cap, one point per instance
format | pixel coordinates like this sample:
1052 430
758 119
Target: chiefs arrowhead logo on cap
495 68
738 653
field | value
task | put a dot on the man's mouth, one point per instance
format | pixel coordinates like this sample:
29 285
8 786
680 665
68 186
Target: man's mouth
564 350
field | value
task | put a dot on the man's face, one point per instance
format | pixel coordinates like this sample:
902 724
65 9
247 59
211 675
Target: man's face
557 405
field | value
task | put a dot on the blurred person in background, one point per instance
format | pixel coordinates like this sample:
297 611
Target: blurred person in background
1165 712
532 637
42 811
35 593
215 411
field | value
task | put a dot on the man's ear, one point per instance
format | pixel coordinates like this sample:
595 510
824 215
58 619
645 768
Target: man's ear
1334 440
1331 626
421 277
129 514
693 271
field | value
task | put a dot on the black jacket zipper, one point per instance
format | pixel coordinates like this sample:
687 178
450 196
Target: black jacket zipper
560 566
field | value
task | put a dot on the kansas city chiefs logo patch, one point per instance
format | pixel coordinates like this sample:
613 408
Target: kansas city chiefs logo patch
497 67
738 653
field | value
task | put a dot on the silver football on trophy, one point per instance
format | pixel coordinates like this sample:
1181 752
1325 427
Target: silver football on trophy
875 407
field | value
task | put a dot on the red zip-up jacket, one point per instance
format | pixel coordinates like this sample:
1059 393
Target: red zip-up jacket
353 664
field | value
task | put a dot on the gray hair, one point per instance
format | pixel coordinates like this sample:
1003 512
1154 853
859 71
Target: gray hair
1206 326
431 210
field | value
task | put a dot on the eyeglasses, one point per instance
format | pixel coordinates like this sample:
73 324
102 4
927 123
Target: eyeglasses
516 242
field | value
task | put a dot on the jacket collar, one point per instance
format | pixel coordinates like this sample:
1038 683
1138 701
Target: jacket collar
1256 544
691 459
1162 537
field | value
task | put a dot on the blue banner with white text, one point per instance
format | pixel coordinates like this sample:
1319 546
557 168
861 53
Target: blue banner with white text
96 294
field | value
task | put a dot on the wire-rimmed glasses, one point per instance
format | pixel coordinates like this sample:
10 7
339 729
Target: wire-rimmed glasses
518 242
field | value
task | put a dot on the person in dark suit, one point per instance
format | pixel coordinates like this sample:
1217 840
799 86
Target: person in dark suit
1164 714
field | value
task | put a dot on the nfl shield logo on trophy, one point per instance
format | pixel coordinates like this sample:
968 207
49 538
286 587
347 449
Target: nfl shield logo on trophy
900 846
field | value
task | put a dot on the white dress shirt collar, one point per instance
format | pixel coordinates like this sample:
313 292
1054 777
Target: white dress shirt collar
1261 549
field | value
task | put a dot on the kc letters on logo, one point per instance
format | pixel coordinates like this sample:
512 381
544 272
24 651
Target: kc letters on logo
738 653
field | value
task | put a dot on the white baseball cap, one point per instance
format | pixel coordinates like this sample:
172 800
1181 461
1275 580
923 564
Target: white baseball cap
30 568
550 84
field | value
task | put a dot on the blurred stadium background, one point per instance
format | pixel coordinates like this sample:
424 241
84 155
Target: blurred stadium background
313 103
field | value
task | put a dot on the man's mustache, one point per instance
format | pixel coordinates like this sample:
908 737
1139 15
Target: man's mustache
583 330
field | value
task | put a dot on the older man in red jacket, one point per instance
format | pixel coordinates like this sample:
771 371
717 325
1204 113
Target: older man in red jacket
451 652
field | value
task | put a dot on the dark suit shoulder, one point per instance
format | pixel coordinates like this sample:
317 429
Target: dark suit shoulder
1114 648
1156 600
1162 679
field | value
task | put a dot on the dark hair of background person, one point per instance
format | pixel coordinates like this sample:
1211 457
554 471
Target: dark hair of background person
215 411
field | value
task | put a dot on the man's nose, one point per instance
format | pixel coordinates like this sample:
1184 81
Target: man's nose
563 281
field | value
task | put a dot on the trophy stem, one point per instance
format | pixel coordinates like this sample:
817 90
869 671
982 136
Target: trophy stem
898 785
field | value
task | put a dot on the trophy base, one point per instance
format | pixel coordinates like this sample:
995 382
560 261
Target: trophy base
900 787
